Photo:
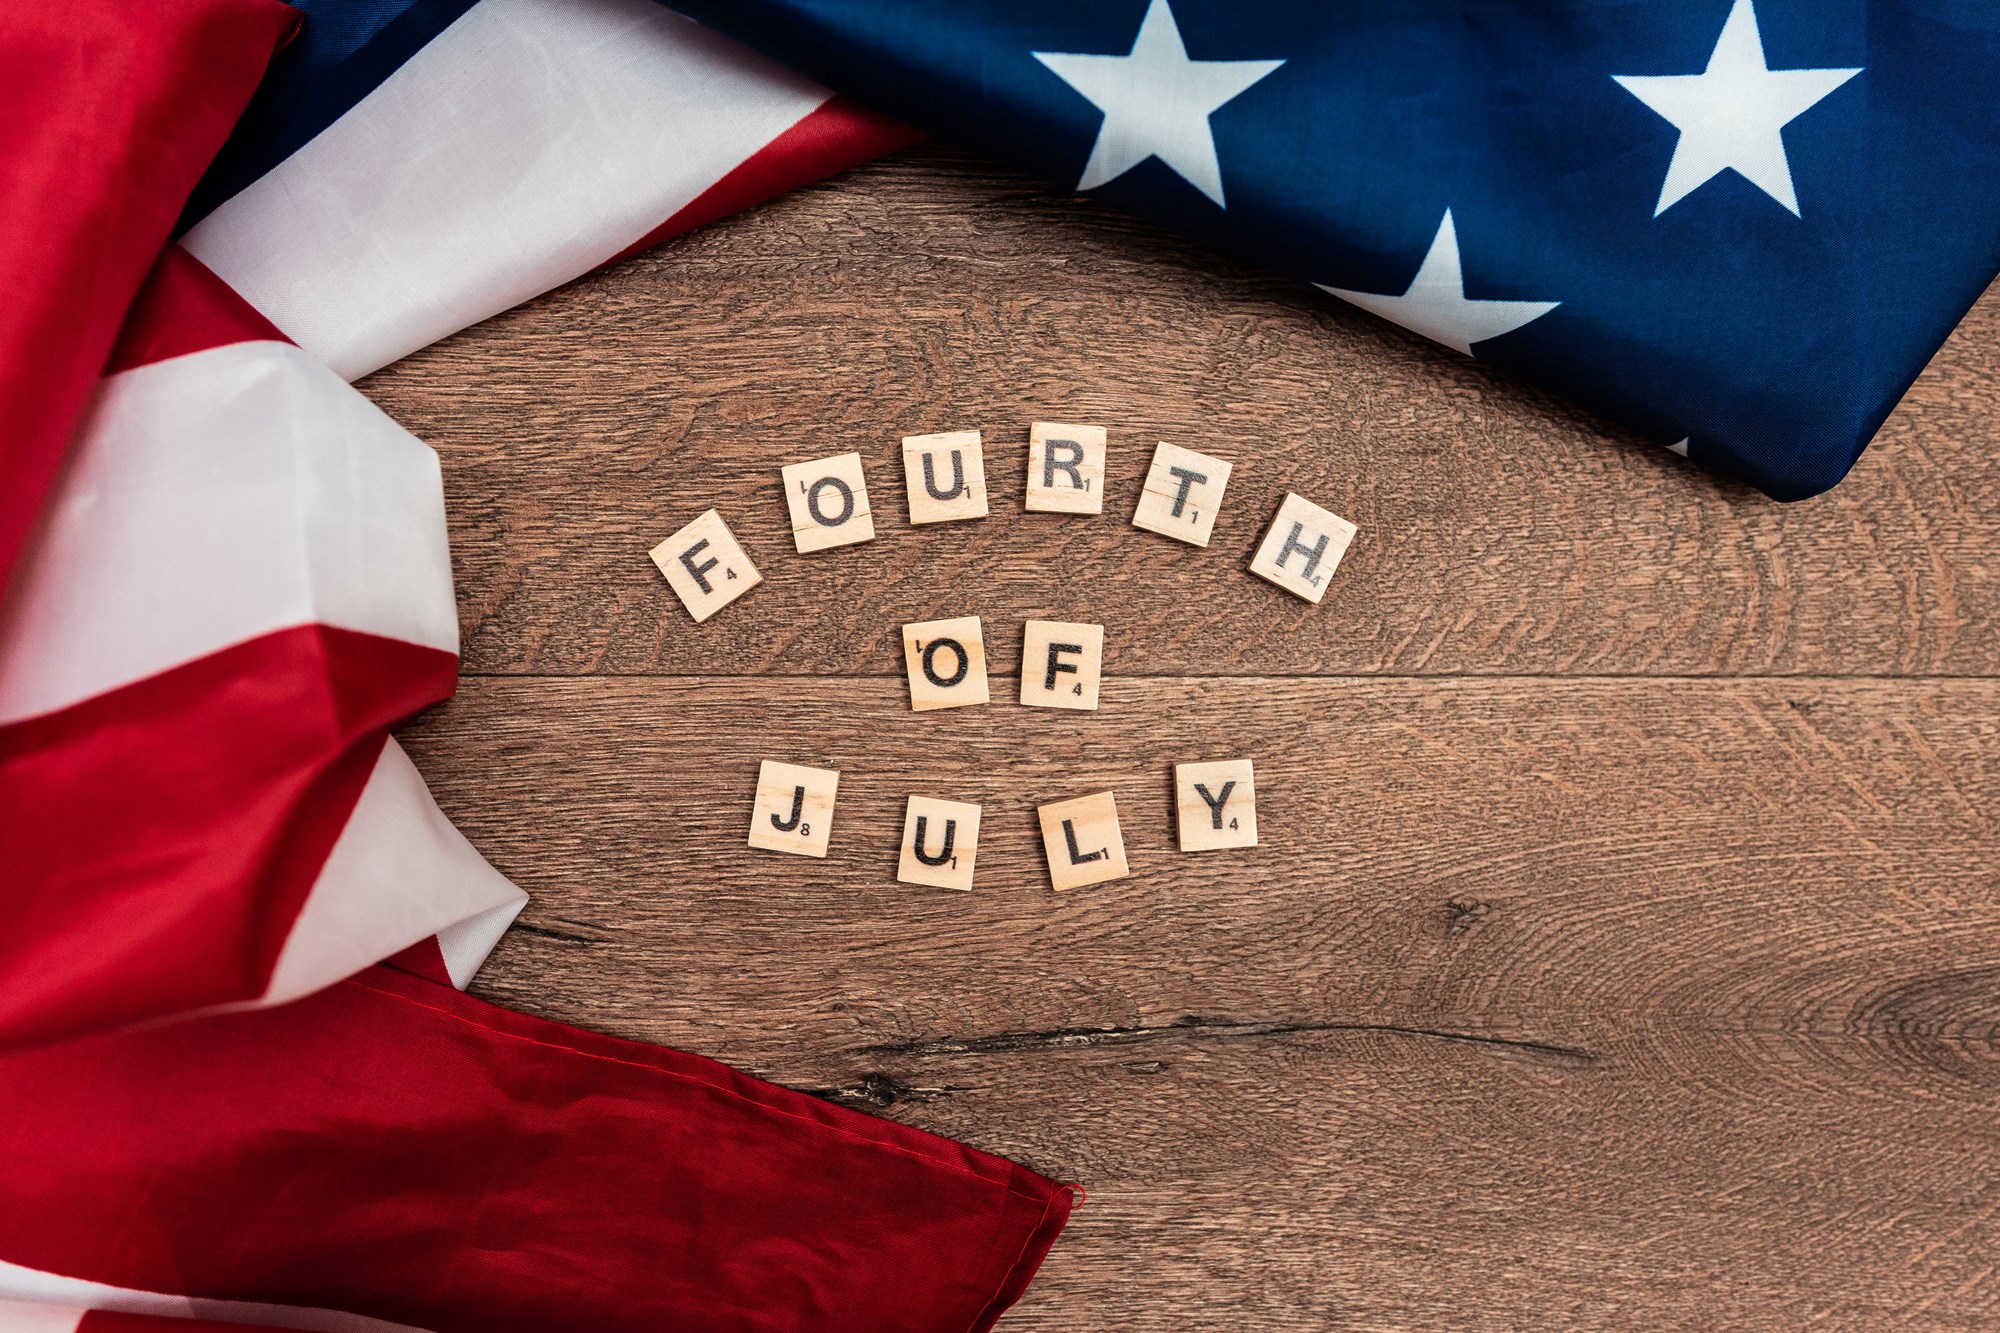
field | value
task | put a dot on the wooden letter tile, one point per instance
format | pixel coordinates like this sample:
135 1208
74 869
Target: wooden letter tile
939 841
794 808
946 663
1061 664
946 476
1217 803
1182 495
1081 840
828 499
1303 548
1065 469
705 567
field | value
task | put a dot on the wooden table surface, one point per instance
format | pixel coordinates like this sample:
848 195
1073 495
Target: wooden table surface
1623 949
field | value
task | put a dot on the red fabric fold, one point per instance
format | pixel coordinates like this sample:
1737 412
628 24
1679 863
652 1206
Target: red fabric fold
108 115
182 308
837 135
397 1149
159 838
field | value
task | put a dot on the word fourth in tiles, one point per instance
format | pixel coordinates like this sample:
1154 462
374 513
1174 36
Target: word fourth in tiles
944 477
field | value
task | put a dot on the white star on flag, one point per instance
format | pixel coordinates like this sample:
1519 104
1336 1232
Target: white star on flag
1156 103
1732 115
1435 304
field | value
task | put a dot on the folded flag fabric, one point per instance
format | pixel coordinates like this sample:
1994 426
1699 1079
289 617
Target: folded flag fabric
21 1317
97 167
412 168
219 1106
202 651
1738 227
390 1154
241 581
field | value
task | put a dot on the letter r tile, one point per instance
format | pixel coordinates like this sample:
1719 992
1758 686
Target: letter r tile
1065 469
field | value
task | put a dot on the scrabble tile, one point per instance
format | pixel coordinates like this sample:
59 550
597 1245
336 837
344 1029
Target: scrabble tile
1065 469
940 839
1081 840
705 567
946 476
946 663
793 811
828 499
1061 664
1182 495
1217 804
1303 548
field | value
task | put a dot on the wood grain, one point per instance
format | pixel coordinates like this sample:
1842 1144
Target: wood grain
1544 1003
1532 858
1374 1180
1501 531
1622 948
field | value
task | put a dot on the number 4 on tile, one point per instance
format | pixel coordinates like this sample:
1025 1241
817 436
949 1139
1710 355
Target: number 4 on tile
1217 805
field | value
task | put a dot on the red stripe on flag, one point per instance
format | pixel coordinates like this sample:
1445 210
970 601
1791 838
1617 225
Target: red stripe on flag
410 1153
109 111
160 838
185 308
836 135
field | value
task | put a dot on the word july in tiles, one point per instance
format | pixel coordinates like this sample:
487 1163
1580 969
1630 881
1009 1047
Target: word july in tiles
1215 803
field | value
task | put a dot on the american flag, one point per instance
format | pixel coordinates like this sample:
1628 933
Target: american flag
1739 228
239 1081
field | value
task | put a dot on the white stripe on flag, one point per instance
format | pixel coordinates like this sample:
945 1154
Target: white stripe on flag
528 143
34 1287
16 1317
399 873
467 944
215 497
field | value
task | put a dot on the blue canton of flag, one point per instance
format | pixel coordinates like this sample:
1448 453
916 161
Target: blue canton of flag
1740 227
